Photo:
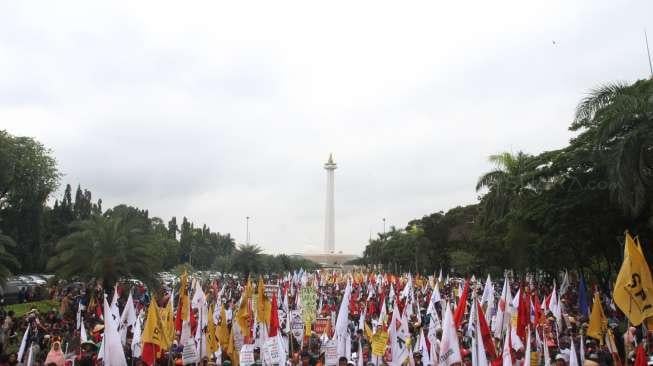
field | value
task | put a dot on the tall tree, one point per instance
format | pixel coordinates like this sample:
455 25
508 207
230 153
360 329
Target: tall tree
28 176
618 120
108 248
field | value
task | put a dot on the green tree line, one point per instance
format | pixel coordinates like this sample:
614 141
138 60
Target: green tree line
564 208
75 237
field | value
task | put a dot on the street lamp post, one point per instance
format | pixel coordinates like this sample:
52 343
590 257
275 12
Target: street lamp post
247 230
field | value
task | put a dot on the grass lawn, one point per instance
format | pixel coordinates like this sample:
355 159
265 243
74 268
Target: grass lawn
42 306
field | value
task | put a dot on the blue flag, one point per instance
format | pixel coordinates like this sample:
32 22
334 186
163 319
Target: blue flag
582 298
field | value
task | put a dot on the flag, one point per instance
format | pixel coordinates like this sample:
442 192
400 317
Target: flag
527 353
244 316
154 335
168 320
488 292
127 318
449 347
274 317
462 306
484 331
136 345
183 307
479 357
423 349
573 359
212 343
523 313
554 306
633 290
113 309
83 337
223 330
545 351
506 357
23 344
598 323
582 297
262 303
503 313
231 350
113 354
342 335
640 356
565 283
399 336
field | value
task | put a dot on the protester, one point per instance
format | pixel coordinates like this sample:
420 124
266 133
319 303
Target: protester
330 318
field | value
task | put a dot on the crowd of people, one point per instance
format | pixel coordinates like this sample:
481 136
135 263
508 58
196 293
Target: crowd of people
327 318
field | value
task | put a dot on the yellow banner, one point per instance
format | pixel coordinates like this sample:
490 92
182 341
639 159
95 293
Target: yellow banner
379 342
633 291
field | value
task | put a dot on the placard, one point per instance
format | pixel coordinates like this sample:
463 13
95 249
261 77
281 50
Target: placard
272 352
189 354
321 324
247 355
331 354
271 290
297 324
379 342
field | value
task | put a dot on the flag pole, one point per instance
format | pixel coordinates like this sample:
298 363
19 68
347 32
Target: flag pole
648 52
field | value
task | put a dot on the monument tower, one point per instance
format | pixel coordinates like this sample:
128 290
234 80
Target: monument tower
329 219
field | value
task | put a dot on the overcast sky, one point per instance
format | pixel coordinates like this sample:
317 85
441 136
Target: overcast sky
218 111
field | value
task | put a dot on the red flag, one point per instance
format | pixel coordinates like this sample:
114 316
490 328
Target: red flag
462 306
485 333
274 317
149 353
523 314
640 356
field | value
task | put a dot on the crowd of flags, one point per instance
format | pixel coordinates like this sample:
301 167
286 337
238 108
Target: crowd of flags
500 327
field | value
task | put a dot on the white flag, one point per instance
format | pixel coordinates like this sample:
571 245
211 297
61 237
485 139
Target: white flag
479 350
113 354
503 310
505 355
136 346
398 332
127 318
23 344
341 330
83 337
449 348
573 359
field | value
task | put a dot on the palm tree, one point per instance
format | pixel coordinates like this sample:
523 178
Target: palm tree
108 248
248 258
509 181
618 120
7 260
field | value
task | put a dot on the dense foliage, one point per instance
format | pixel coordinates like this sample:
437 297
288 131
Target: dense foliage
74 237
565 208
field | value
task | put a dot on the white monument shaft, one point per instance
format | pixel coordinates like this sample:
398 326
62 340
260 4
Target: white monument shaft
329 219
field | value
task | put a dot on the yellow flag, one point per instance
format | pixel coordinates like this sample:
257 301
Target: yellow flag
184 304
223 329
231 350
263 305
153 331
244 315
168 320
598 322
368 332
212 344
633 291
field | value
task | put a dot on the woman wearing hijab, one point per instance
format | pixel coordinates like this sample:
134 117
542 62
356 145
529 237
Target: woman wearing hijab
55 356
